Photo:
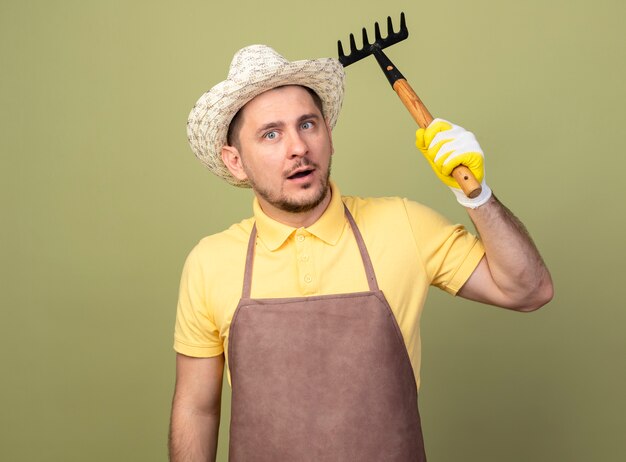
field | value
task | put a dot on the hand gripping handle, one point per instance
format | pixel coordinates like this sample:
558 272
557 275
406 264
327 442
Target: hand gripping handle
463 175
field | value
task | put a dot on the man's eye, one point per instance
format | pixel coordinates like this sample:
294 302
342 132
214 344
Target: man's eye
271 135
307 125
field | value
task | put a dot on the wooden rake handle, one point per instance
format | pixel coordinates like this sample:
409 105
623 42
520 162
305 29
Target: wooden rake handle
463 175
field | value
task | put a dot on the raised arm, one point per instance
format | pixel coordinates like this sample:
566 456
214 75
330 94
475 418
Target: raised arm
195 416
512 274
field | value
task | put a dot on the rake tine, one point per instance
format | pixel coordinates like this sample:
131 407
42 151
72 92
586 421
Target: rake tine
340 50
389 27
366 42
353 48
377 35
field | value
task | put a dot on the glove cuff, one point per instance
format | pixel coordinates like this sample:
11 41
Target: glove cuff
481 199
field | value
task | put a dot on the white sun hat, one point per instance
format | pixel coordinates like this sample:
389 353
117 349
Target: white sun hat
254 70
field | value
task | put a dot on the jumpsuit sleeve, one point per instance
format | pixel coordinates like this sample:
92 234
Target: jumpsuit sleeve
449 252
195 332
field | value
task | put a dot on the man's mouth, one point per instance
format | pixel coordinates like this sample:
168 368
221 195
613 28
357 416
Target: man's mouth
300 174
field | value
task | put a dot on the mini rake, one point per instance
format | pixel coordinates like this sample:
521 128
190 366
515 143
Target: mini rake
420 113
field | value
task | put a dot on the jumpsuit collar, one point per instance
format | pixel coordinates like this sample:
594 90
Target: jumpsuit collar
328 227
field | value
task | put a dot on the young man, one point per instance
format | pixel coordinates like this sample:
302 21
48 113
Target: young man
315 302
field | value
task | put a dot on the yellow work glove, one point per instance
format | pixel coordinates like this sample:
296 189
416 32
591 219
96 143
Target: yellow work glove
446 146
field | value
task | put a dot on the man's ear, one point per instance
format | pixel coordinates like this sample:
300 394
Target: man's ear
232 159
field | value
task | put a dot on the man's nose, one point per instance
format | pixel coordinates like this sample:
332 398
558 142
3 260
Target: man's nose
297 145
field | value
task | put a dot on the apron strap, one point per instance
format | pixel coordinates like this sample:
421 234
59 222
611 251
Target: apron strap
365 257
247 275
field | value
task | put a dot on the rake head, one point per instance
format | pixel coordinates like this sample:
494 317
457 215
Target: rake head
379 43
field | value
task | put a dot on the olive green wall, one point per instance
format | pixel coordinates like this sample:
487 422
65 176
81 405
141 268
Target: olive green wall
102 199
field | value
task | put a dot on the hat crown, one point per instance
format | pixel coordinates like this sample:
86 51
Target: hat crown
254 59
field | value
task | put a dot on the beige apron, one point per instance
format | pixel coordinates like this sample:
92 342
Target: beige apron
321 378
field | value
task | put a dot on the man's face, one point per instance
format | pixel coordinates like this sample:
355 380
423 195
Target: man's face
284 148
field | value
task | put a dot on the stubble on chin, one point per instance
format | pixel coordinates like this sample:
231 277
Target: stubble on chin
291 205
